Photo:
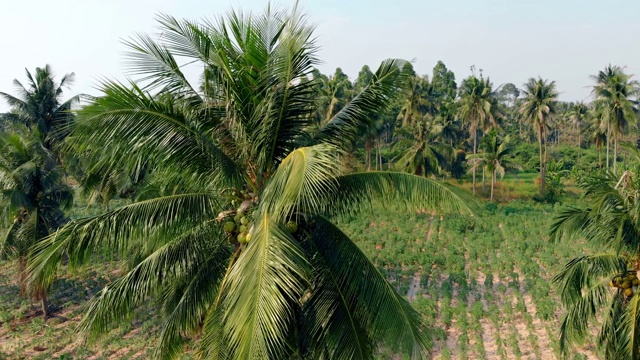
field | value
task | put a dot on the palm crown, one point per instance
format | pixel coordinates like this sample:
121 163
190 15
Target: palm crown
614 91
538 106
278 279
39 105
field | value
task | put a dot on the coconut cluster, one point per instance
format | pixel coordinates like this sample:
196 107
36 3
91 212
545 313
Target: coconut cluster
627 282
238 224
239 228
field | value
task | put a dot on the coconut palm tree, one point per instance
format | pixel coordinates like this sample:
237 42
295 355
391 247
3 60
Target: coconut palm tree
493 157
617 94
538 106
419 99
39 105
578 115
425 156
36 196
478 107
244 252
603 285
335 93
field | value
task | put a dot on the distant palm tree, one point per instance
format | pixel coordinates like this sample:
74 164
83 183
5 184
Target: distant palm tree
419 99
578 116
597 134
617 94
244 252
478 107
426 155
493 157
39 105
450 126
538 106
36 196
335 92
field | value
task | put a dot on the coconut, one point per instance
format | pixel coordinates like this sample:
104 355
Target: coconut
628 292
229 226
248 237
626 284
242 238
243 229
244 220
292 226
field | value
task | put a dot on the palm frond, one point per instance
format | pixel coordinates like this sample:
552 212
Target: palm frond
630 329
343 129
186 306
132 126
158 270
584 290
305 177
262 290
569 222
357 191
584 272
364 298
83 238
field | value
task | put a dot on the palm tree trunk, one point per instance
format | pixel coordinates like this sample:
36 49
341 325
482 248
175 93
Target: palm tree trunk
600 157
615 154
44 304
475 139
579 149
542 155
329 114
520 129
22 275
378 164
608 137
483 181
367 146
493 180
405 119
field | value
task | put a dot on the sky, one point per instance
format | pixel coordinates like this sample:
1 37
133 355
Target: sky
510 40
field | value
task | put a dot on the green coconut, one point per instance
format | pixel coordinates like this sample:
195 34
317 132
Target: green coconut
229 226
292 226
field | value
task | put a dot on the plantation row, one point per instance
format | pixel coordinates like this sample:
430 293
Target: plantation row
484 286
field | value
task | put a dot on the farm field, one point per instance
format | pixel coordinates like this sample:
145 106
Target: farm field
483 286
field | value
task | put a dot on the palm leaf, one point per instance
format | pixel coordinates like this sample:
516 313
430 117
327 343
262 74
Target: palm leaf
85 237
366 298
135 127
158 270
357 191
344 128
630 329
262 289
305 177
584 290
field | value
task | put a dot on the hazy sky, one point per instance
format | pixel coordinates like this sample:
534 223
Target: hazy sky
511 40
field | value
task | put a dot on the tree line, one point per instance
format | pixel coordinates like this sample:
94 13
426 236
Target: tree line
435 127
